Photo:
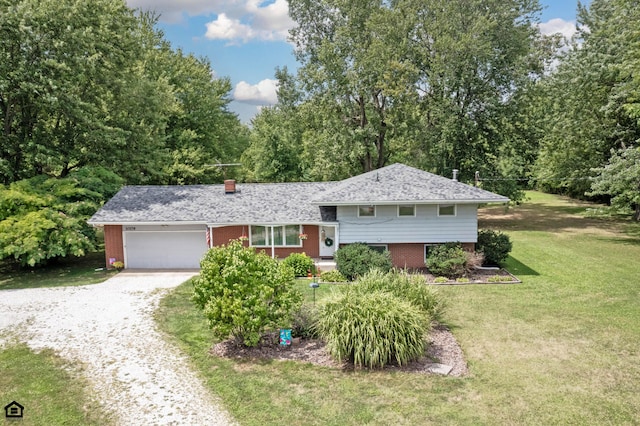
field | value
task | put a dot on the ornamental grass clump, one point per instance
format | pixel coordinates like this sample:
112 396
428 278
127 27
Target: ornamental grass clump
372 329
412 288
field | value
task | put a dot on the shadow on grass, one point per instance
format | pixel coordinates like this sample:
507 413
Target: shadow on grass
71 271
543 217
518 268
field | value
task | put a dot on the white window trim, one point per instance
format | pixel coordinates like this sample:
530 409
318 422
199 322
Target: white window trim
268 235
374 210
426 246
386 246
455 210
407 215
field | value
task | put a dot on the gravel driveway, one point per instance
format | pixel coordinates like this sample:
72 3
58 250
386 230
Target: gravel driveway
108 328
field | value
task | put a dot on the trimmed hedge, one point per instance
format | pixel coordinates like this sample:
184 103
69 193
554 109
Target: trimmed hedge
494 245
357 259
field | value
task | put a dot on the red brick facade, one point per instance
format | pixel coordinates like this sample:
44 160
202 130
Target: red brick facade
310 246
113 245
411 255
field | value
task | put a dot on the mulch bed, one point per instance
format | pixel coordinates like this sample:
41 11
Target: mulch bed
442 348
478 276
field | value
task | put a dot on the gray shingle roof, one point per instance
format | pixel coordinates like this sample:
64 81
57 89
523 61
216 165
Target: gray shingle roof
304 202
400 183
253 203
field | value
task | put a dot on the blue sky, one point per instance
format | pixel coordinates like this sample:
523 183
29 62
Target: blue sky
245 40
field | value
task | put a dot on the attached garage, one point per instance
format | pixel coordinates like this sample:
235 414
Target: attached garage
166 247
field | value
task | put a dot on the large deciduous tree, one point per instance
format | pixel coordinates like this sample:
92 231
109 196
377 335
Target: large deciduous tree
592 109
434 83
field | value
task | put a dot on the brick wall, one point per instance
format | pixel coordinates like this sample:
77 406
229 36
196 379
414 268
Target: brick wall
407 255
113 245
410 255
310 246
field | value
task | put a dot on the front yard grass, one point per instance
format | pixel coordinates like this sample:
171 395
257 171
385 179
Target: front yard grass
48 392
560 348
65 272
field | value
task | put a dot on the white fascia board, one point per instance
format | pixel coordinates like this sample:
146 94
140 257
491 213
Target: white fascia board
430 202
222 225
173 223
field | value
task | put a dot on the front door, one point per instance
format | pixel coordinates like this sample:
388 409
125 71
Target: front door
327 241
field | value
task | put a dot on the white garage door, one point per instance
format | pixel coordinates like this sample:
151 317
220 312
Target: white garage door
164 250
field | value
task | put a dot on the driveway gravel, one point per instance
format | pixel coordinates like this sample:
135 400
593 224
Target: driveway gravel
108 331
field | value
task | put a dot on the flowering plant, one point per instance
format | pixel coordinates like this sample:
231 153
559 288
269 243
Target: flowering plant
302 236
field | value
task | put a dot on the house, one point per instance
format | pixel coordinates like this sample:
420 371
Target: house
13 410
398 208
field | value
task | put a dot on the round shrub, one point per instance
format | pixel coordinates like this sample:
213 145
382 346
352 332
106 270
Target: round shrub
333 276
300 263
447 259
494 245
372 329
412 288
243 293
357 259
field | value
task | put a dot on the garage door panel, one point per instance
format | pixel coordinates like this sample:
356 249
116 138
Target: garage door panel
164 250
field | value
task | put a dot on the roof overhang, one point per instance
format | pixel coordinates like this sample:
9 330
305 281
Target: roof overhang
129 223
396 202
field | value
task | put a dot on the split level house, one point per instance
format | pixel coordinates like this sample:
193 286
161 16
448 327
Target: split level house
397 208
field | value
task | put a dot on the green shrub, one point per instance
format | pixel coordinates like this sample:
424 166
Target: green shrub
372 329
243 293
300 263
447 259
304 323
357 259
441 280
412 288
462 280
333 276
494 245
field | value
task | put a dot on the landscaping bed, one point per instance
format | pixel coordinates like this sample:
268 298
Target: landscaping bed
442 349
478 276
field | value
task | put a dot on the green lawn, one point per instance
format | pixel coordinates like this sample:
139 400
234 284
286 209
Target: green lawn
49 393
560 348
64 272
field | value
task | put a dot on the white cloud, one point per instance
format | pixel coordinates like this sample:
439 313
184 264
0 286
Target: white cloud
263 93
253 21
236 20
225 28
566 28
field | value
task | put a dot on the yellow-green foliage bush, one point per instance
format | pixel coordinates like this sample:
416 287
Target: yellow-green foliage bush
243 293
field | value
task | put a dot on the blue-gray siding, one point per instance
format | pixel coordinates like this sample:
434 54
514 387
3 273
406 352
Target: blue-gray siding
425 227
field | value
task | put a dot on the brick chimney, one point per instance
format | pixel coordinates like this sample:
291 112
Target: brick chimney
229 186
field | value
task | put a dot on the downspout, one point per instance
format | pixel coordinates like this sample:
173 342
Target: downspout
210 237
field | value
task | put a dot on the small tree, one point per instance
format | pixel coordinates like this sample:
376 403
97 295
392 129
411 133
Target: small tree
243 293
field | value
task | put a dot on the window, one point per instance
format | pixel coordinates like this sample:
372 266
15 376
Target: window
380 248
446 210
366 211
283 236
407 210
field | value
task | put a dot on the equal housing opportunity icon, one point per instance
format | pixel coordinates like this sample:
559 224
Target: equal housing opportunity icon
14 410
